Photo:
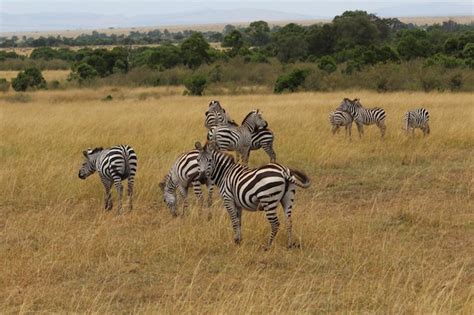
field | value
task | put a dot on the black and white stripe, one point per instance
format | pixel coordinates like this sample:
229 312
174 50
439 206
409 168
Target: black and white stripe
217 116
262 188
417 118
264 138
364 116
339 119
113 165
238 138
181 175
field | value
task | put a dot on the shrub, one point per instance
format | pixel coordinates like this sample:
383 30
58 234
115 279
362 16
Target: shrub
195 84
30 78
85 72
327 63
4 85
290 81
456 82
54 85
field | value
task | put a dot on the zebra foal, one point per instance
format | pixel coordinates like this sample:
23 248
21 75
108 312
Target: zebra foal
182 175
113 165
262 188
417 118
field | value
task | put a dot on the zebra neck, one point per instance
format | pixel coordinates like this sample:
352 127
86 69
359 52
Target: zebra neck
223 165
247 125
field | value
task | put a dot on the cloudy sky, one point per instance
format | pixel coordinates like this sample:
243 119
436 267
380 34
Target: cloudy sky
70 14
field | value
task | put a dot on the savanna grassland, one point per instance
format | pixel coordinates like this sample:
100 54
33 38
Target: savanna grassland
387 226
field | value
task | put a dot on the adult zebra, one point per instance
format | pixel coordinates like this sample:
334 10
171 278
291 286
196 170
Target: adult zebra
364 116
339 119
181 175
417 118
262 188
217 116
238 138
113 165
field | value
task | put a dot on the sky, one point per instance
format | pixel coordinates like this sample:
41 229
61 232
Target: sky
138 7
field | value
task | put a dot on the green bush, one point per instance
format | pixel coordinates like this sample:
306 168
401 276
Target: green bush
195 84
30 78
328 64
85 72
290 81
4 85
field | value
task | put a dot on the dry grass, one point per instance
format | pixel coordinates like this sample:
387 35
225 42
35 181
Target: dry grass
48 75
386 227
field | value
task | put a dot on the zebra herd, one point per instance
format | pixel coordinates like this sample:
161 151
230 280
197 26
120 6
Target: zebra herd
350 111
240 187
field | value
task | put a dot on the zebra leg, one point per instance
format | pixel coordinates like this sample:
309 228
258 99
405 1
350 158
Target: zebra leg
270 213
287 203
382 128
198 192
131 182
360 129
119 188
210 188
234 218
108 195
245 155
335 129
270 152
183 191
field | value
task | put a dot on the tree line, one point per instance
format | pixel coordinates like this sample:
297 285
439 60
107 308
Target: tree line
352 42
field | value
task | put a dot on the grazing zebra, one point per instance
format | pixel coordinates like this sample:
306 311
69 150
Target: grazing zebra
238 138
338 119
113 165
263 138
417 118
216 116
180 177
262 188
364 116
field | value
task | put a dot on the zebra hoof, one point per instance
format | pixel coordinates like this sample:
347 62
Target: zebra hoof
237 241
293 245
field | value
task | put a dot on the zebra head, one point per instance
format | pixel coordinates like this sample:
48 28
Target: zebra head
254 121
214 105
348 105
88 165
204 159
169 193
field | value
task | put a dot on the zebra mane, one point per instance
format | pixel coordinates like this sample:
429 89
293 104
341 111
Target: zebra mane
249 114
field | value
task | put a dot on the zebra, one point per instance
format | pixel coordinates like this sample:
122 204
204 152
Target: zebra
217 116
364 116
181 175
238 138
417 118
340 118
264 138
251 189
113 164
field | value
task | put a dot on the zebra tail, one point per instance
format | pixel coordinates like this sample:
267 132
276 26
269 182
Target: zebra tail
302 180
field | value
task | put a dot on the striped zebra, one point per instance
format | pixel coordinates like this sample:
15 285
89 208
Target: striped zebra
340 119
238 138
113 165
181 175
217 116
264 138
262 188
417 118
364 116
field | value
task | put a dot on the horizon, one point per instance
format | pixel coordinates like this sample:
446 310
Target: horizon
56 15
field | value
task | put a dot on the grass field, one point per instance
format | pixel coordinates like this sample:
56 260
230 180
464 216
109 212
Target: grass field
386 227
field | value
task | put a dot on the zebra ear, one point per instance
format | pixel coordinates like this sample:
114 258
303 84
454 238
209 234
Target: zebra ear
85 153
198 145
162 186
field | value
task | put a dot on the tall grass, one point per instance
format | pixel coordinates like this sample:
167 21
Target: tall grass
386 226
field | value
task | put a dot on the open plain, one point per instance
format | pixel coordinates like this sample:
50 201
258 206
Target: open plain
387 226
